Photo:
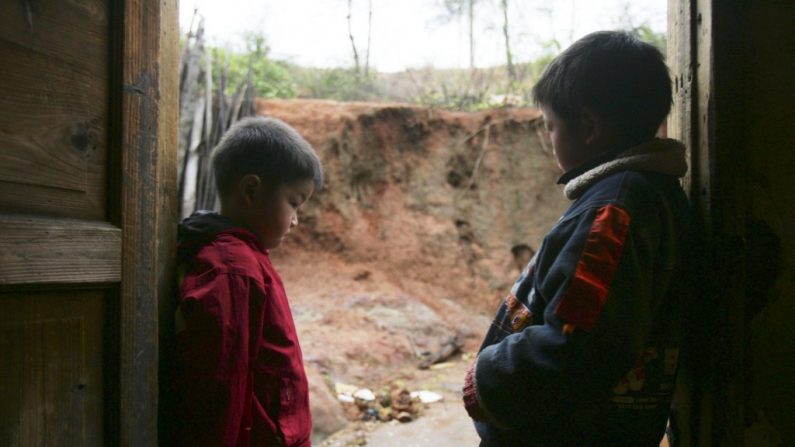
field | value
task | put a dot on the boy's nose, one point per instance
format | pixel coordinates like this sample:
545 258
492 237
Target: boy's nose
294 220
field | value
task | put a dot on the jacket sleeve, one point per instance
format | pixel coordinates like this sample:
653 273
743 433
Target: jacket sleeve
595 277
212 356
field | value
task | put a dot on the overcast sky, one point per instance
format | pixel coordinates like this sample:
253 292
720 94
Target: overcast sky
410 33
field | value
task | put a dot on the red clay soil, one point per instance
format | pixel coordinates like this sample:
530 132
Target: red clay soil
409 242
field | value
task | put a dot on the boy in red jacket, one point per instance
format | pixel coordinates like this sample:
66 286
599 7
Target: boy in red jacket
239 375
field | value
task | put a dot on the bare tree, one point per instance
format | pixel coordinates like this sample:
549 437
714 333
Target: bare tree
353 43
455 8
190 62
508 54
471 34
369 34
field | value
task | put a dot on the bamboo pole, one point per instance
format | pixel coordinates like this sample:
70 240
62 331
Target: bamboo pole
204 118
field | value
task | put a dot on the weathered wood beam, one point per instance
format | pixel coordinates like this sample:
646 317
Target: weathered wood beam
148 155
52 251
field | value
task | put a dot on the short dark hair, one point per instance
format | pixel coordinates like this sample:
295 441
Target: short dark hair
616 75
267 147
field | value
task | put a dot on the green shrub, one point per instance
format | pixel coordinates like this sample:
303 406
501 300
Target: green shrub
270 78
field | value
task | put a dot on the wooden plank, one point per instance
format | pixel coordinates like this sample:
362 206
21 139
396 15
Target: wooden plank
680 61
139 158
168 213
721 106
51 344
53 136
190 175
50 251
71 31
54 128
703 132
710 389
688 399
44 201
147 215
194 47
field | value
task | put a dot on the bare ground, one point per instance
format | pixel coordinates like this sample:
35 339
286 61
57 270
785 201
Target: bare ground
441 424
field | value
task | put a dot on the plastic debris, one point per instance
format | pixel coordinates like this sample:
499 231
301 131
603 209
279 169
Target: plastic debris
426 397
394 403
345 398
344 388
345 392
364 394
443 365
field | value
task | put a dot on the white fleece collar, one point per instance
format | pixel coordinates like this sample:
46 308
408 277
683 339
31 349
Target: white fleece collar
665 156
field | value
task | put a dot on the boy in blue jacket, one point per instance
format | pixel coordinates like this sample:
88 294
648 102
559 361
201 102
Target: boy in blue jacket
584 350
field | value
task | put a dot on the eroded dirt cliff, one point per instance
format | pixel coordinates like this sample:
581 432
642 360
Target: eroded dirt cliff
410 240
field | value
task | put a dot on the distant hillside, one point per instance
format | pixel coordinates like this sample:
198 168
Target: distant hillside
457 89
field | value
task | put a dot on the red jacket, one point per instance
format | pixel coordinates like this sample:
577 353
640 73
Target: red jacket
239 375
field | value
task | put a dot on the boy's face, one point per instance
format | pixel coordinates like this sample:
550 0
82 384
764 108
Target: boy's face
273 211
568 144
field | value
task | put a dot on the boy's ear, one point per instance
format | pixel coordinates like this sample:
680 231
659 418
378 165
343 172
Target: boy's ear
591 125
248 187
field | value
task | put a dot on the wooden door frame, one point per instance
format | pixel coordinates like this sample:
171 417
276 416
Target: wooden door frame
145 159
706 47
131 252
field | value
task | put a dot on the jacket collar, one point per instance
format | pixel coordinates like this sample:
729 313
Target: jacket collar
664 156
202 227
587 166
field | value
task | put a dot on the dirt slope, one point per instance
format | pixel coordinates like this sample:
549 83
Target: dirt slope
410 240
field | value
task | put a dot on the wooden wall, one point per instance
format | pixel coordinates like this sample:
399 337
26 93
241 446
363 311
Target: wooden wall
732 63
88 114
768 101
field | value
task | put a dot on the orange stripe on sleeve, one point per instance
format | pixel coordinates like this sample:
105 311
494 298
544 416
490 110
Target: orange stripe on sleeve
586 295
